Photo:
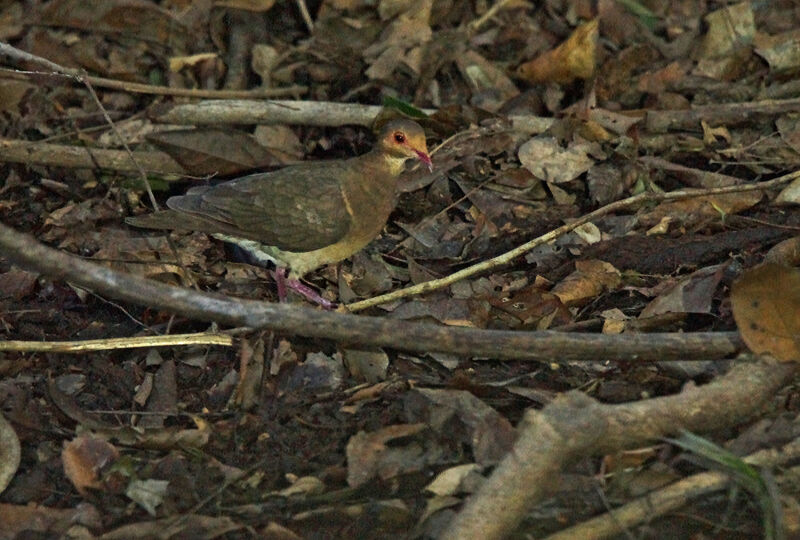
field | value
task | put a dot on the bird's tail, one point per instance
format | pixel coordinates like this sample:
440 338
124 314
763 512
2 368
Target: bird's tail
165 219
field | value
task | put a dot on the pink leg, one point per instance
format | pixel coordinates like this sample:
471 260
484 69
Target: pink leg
279 274
310 294
304 290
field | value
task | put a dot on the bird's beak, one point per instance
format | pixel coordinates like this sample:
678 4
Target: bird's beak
425 158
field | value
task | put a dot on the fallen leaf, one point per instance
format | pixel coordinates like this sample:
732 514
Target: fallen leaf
692 294
548 160
766 302
576 58
590 279
210 150
84 458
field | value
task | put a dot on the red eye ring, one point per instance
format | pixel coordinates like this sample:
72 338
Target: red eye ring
399 137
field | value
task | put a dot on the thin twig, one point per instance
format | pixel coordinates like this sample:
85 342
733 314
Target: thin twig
491 12
150 89
301 5
509 256
84 77
203 338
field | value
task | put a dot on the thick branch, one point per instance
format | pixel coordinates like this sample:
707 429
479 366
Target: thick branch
368 331
575 426
310 113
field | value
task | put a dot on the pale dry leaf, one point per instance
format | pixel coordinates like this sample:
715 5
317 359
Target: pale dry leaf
547 160
590 279
765 303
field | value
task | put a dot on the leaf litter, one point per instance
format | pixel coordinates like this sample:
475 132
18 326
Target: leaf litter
377 443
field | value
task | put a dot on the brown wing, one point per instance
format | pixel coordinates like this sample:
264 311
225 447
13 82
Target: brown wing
298 208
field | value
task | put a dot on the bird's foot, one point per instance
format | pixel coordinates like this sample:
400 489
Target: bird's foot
301 288
279 275
310 294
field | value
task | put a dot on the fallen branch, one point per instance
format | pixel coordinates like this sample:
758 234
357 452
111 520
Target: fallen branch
509 256
81 157
724 114
203 338
672 497
547 346
574 426
309 113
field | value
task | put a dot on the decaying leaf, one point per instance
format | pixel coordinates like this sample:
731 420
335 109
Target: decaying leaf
589 279
548 160
692 294
84 458
576 58
211 151
766 304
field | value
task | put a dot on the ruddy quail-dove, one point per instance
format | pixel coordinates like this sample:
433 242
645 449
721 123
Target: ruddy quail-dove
305 215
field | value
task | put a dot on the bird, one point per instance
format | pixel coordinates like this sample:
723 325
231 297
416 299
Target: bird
303 216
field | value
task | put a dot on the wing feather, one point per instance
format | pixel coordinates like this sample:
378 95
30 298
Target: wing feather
298 208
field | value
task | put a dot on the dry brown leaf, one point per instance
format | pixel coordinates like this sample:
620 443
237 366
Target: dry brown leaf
780 51
84 458
766 304
786 252
576 58
547 160
729 28
590 279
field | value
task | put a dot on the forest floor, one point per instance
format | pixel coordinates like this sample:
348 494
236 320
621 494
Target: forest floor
609 178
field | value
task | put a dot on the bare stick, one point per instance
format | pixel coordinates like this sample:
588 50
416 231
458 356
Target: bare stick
574 426
548 346
203 338
509 256
301 6
491 12
725 114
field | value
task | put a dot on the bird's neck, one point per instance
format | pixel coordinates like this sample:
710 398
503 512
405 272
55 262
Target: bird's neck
396 165
392 165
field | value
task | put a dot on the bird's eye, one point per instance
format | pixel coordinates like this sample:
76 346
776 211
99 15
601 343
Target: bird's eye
399 137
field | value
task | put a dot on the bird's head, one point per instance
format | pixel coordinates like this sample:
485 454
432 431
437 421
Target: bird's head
402 139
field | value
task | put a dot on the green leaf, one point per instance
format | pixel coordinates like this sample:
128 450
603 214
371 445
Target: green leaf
404 107
647 17
744 474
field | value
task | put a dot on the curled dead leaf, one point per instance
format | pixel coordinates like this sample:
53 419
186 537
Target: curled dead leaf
576 58
766 303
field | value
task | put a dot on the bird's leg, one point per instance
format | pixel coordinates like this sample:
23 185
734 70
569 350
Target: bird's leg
310 294
279 274
297 286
